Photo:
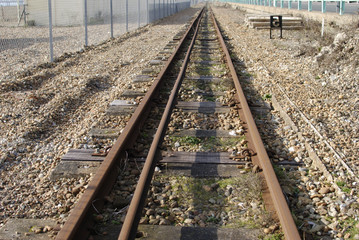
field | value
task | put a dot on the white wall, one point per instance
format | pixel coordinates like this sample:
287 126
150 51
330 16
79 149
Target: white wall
64 12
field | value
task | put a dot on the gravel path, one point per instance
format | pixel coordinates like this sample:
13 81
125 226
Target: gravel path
50 108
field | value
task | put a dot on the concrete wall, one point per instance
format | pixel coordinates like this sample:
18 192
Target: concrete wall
64 12
67 12
37 11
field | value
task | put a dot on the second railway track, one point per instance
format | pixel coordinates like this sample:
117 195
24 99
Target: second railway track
195 126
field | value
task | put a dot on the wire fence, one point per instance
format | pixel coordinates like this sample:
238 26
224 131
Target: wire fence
36 31
341 7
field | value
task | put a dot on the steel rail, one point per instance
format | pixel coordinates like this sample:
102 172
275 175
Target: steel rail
282 210
130 225
80 220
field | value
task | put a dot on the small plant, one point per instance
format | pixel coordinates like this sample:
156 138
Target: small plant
275 236
209 98
280 172
212 219
267 96
340 184
350 225
192 140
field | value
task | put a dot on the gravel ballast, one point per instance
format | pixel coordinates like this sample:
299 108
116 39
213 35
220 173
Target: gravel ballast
49 109
313 81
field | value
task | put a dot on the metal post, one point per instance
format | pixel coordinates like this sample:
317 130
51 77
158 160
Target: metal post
139 12
111 18
281 4
342 6
275 3
126 15
50 32
148 12
171 7
18 11
310 6
289 4
154 9
163 9
159 9
299 5
85 20
324 6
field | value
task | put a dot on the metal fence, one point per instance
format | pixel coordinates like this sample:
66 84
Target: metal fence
35 31
310 5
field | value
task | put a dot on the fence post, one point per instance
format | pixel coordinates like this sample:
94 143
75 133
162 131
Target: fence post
85 19
299 5
18 11
159 9
154 10
342 6
111 18
324 6
309 6
281 4
148 12
171 7
139 12
289 4
50 32
163 9
126 15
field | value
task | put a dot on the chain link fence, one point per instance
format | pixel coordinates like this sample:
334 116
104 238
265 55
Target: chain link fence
37 31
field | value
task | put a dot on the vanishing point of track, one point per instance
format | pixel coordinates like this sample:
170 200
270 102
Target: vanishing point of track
80 219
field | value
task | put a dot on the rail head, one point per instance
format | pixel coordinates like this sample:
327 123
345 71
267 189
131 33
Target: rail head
280 204
130 225
76 227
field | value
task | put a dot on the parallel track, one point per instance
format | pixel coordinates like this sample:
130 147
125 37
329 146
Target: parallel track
80 219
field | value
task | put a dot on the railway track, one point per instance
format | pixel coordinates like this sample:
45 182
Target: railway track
195 121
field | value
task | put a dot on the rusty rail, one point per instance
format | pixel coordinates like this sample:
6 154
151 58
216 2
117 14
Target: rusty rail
129 228
80 220
282 210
